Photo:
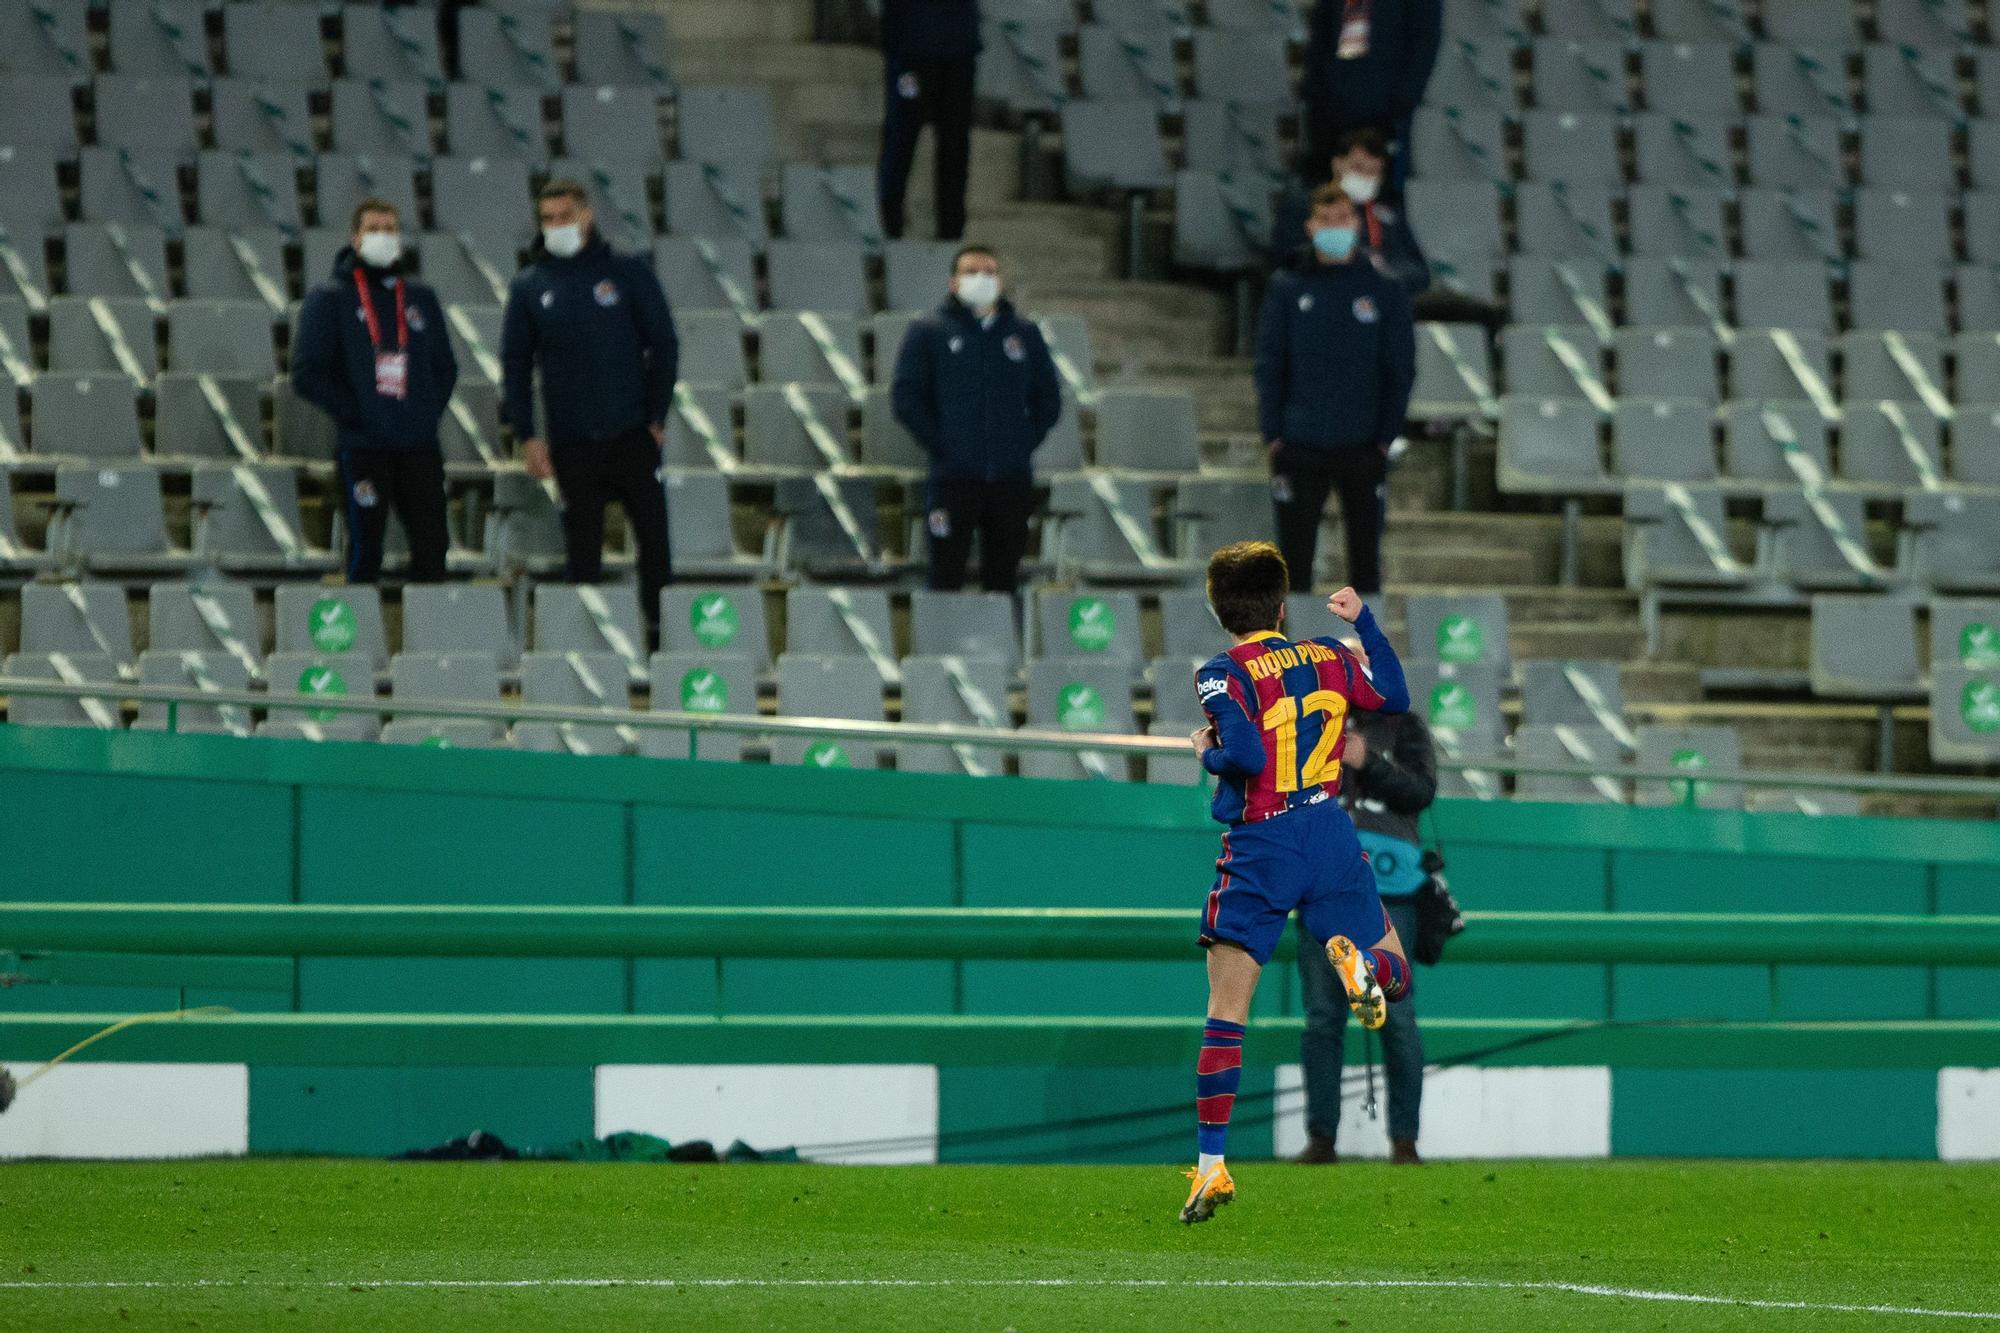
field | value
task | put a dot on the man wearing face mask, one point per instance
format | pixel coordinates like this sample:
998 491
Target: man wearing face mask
372 353
1360 162
1336 357
597 325
976 387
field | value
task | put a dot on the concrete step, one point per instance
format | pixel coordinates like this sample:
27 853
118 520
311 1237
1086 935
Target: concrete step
1760 638
1482 550
1131 323
693 22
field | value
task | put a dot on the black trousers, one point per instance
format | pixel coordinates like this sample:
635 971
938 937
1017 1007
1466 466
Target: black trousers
1301 480
998 512
625 468
938 93
409 481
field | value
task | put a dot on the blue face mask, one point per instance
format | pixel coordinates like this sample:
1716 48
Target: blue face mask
1336 243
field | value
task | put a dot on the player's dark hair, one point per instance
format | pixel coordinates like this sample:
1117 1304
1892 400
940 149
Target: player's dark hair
1368 139
965 250
562 188
371 204
1330 196
1247 583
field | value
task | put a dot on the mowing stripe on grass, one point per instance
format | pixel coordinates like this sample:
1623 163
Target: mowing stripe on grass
1136 1283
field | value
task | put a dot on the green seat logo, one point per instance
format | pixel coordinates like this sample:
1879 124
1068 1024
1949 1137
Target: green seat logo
1092 624
1460 639
1452 706
826 754
1694 761
1979 705
712 617
1079 708
330 623
326 681
703 691
1979 646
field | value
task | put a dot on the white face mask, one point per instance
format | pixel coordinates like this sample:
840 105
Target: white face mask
563 242
1361 189
380 249
979 290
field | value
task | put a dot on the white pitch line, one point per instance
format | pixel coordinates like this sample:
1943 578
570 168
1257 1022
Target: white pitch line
1026 1283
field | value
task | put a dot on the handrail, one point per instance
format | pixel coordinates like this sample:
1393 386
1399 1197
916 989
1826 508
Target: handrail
962 933
938 733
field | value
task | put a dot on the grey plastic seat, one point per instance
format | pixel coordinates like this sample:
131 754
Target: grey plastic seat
488 195
1978 287
273 41
249 190
314 619
715 620
1975 449
1567 744
1965 716
571 618
1082 695
629 48
1752 450
1982 227
1758 367
701 422
1804 551
391 43
443 678
1676 223
85 416
1485 20
264 118
1787 79
1566 220
491 121
1795 225
1905 80
1550 446
885 443
16 556
886 332
608 122
1555 291
968 691
839 622
152 117
1701 20
1461 705
345 180
31 204
1129 64
1795 152
84 667
510 49
1595 20
1474 73
222 337
775 435
1907 153
712 348
1579 147
113 517
788 352
1113 145
1091 542
1864 646
830 277
1908 228
1670 439
235 265
1878 440
1661 545
1460 217
1021 65
1533 366
1147 430
1227 61
1901 366
462 266
716 200
1982 136
474 331
1699 750
1221 223
1455 143
1087 624
1241 137
1188 628
1580 75
727 124
1909 297
109 259
214 617
247 519
691 284
458 618
1783 294
827 687
52 43
1574 693
39 115
77 618
1668 363
916 273
1689 78
1215 511
1442 389
1674 293
700 683
524 531
1924 23
575 680
189 669
1459 630
381 118
966 625
834 205
1684 151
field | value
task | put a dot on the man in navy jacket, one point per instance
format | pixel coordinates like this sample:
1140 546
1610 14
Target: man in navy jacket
1336 357
597 324
930 51
1367 62
976 387
372 353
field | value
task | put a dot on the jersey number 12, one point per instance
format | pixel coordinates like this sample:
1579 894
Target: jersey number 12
1282 719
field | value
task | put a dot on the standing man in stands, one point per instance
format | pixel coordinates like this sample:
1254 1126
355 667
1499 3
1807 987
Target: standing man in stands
930 53
1388 777
1366 65
597 325
976 387
373 355
1336 357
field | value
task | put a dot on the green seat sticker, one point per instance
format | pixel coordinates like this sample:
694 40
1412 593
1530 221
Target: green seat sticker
1453 707
1979 705
326 681
704 691
1079 708
330 623
826 754
1460 639
1092 624
1694 761
1979 646
712 617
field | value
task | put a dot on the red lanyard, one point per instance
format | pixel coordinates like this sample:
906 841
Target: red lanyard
1352 10
1367 214
368 314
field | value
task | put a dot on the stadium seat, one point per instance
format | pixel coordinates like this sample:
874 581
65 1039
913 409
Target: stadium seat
331 620
49 41
1891 443
1965 681
1567 744
1547 359
570 618
712 348
459 618
126 186
1132 64
1474 73
1686 78
1724 21
485 120
701 531
100 712
221 338
1673 225
1459 630
1864 646
609 123
715 620
575 680
344 181
716 200
1907 153
242 264
1957 547
966 625
1904 80
1213 512
484 195
1087 624
320 675
247 519
152 118
832 205
1021 65
103 336
1795 152
1222 223
1811 552
827 687
381 118
1550 446
261 118
85 416
1113 145
1684 151
391 43
1188 628
1792 80
1780 363
700 683
1557 692
1239 138
1461 217
40 116
276 42
1753 451
963 691
916 274
1576 147
1908 297
1456 143
203 671
1903 227
77 618
1090 541
1147 430
509 49
1907 367
1581 76
779 423
1667 544
1564 221
885 443
1699 750
444 678
1227 61
1924 23
1087 695
694 281
840 622
1666 439
702 421
1793 224
1668 293
112 259
829 277
1668 363
727 126
463 267
211 617
1783 294
113 517
1461 705
623 48
1572 290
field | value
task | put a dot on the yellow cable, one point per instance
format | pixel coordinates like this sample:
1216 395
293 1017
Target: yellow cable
164 1015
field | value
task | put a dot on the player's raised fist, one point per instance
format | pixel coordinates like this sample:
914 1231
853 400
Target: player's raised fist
1346 604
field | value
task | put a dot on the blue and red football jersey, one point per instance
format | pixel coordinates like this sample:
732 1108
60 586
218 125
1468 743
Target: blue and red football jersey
1280 708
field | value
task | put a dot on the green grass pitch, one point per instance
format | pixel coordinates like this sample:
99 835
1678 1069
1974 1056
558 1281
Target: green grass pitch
276 1243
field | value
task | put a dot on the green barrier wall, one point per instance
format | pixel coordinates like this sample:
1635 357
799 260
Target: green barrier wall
138 817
